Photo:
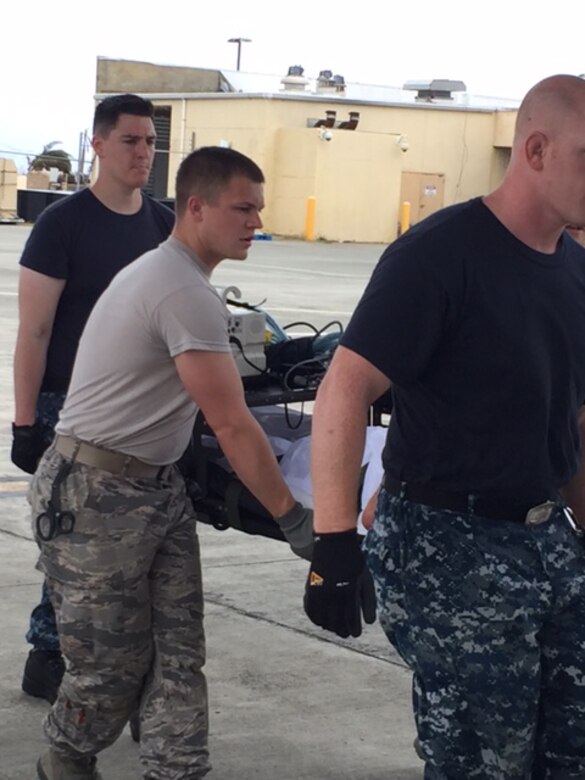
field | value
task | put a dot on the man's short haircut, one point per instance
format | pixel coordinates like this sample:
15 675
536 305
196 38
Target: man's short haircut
108 111
208 171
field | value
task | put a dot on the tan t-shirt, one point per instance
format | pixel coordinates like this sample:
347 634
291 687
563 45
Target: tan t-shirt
125 393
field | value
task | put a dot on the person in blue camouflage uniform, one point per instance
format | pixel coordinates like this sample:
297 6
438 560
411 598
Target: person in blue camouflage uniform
42 632
475 318
75 248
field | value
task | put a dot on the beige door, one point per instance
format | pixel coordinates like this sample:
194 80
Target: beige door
424 191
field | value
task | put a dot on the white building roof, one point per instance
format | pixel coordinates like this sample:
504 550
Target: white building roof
270 84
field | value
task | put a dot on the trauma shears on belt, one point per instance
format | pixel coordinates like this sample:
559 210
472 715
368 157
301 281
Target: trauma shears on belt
53 522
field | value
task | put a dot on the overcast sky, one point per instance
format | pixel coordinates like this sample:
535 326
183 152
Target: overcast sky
48 51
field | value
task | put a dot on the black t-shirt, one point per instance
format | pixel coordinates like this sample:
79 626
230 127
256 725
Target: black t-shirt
484 341
80 240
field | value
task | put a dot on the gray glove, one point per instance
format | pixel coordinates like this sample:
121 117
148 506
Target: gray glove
297 527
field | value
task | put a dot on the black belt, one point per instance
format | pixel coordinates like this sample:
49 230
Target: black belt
463 503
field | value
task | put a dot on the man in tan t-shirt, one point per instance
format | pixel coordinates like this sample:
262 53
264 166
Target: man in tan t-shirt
110 512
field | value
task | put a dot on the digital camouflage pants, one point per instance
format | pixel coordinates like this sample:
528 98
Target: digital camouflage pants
490 617
126 587
42 632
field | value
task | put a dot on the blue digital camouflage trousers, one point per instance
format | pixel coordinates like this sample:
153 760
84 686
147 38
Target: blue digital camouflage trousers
490 617
127 591
42 632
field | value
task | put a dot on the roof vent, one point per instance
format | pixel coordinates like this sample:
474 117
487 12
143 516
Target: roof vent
294 81
437 89
328 83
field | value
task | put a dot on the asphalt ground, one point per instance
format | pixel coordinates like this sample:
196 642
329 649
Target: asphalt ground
287 700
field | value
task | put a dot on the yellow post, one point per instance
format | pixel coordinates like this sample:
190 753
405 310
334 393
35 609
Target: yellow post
404 216
310 218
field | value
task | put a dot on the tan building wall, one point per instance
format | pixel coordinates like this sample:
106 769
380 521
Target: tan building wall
336 173
366 162
8 179
504 128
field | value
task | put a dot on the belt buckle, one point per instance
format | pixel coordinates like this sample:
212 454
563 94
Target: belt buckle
540 513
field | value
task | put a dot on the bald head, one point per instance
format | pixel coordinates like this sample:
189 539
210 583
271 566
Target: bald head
543 189
548 105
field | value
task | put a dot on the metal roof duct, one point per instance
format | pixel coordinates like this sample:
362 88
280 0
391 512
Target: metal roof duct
437 89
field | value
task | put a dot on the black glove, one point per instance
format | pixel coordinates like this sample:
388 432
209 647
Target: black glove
339 586
297 527
28 445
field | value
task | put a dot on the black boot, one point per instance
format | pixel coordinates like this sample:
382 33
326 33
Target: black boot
43 673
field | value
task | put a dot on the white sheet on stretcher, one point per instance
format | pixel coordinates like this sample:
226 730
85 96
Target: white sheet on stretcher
292 446
295 467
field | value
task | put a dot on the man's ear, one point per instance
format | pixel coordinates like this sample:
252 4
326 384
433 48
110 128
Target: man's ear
535 149
195 206
97 144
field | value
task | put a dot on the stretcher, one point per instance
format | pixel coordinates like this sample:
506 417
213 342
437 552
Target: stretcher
281 373
219 497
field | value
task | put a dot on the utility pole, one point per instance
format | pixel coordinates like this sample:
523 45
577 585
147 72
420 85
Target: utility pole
81 159
239 41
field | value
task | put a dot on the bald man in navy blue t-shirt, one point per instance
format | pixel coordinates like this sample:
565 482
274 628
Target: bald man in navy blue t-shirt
476 319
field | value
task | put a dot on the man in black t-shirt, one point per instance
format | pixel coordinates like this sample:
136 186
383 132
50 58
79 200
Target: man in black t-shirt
74 250
476 319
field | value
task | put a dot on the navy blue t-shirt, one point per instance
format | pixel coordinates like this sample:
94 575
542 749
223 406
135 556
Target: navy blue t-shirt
484 341
82 241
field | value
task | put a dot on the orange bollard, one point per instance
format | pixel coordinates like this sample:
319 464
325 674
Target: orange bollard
310 218
404 216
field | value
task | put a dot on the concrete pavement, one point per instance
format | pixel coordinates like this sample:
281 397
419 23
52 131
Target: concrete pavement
287 700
